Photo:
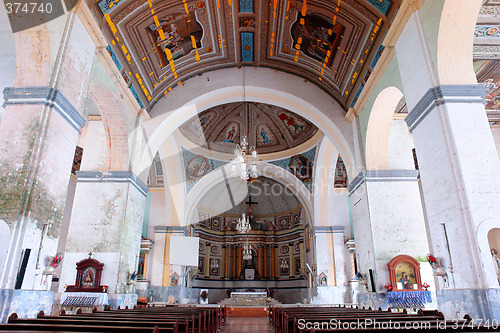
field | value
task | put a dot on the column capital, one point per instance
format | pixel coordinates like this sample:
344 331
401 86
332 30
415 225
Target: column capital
382 176
44 96
112 177
441 95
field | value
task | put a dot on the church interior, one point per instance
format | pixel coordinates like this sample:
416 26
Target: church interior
241 154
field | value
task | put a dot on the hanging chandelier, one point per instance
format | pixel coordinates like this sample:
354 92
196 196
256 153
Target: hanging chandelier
243 225
247 252
244 165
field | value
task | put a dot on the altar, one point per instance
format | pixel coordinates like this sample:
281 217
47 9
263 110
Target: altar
248 298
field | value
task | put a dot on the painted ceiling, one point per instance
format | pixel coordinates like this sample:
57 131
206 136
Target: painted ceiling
268 128
160 44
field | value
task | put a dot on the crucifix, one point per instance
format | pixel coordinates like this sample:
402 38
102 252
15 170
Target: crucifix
250 203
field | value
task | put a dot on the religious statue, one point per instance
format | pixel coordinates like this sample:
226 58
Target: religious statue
494 255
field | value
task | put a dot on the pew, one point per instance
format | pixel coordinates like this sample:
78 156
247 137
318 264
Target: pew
333 319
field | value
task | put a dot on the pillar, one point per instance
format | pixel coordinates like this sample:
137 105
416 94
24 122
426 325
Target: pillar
234 251
265 260
276 262
259 259
457 159
206 268
291 259
273 261
302 258
239 260
224 262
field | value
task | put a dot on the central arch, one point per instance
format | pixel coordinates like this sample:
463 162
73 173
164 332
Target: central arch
232 85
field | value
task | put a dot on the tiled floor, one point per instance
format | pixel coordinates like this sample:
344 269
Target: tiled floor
247 325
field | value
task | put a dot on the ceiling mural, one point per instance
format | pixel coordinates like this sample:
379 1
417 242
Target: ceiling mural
300 165
268 128
162 43
197 166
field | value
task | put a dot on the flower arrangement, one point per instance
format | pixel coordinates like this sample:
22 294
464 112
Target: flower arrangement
204 295
425 286
388 287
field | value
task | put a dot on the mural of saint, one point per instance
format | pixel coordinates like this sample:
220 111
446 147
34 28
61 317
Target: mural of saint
177 31
290 121
301 167
317 37
230 134
405 275
197 167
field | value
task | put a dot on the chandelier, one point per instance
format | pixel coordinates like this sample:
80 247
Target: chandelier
247 252
243 225
244 165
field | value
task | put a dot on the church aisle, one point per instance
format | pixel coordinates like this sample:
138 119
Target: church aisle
247 325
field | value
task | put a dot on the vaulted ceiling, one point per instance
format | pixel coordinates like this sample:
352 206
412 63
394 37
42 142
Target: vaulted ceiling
161 44
268 128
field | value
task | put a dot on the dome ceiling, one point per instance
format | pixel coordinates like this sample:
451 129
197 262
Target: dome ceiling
160 44
268 128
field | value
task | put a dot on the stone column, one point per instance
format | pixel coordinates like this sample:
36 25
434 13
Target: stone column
235 259
206 269
259 258
386 209
38 134
273 262
458 160
276 262
239 261
265 260
224 262
291 259
302 258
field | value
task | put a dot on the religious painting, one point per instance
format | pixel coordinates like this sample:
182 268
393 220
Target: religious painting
264 136
317 37
297 266
322 279
177 34
405 276
174 279
284 266
340 179
293 123
196 168
301 167
231 133
488 74
404 272
197 125
214 267
140 268
88 276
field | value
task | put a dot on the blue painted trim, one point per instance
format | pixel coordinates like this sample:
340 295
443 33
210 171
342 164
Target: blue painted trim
441 95
247 42
112 177
382 176
44 96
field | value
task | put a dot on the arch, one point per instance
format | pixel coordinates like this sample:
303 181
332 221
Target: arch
378 130
482 231
455 41
272 171
115 127
259 85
